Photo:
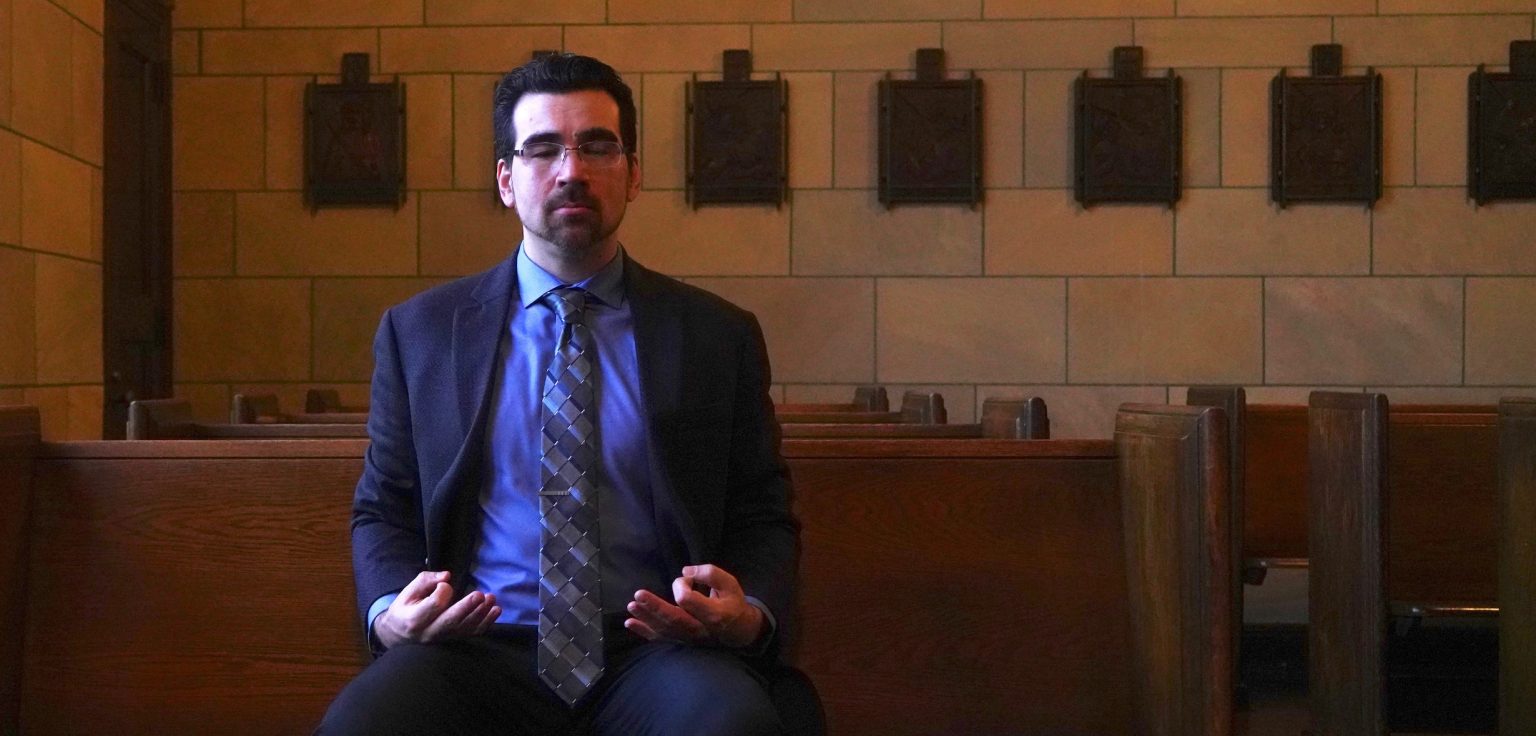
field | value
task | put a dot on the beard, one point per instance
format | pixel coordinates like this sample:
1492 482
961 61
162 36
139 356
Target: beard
577 232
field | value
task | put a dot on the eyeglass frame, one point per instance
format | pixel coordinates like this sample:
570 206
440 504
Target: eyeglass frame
585 156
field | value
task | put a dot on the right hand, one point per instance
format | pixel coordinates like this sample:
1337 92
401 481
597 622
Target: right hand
422 614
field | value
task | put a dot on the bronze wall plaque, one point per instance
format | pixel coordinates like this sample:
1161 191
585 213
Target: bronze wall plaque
354 139
737 150
1325 134
930 136
1129 138
1501 129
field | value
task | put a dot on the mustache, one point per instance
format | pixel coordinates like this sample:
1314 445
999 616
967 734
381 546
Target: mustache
577 196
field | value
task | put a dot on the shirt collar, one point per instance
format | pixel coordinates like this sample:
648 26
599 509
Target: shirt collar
533 282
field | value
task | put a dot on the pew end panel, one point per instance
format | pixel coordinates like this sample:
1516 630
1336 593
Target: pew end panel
1015 419
1517 566
20 436
252 408
160 419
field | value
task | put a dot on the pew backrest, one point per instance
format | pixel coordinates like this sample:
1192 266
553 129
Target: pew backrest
1517 566
1233 402
20 435
1018 419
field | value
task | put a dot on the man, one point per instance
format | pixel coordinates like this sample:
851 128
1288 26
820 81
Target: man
573 515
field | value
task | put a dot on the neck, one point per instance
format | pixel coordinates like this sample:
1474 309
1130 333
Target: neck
570 267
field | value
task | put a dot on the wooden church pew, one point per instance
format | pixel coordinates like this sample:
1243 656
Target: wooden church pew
1517 566
916 408
1001 419
163 419
264 409
865 399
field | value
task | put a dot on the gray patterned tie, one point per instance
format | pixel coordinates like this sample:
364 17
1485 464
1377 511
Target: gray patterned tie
570 607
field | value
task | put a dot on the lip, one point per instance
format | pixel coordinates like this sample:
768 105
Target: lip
573 209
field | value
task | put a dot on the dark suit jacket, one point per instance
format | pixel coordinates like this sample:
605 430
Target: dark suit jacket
721 488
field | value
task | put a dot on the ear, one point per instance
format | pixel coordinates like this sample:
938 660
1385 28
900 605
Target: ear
634 178
504 183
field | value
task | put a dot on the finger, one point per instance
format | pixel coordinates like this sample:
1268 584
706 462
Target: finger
423 584
638 628
480 619
450 620
666 619
714 577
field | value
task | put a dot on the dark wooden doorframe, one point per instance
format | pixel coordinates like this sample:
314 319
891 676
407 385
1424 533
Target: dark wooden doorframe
136 215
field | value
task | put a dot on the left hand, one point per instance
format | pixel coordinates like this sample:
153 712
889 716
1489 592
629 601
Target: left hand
722 617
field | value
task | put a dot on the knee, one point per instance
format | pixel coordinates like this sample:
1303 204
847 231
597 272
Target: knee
393 695
714 694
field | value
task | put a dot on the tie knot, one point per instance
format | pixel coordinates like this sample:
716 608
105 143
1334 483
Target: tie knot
569 303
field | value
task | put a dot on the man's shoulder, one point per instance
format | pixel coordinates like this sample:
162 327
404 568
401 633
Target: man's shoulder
446 298
685 297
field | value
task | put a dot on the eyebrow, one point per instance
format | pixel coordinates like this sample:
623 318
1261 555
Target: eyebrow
590 134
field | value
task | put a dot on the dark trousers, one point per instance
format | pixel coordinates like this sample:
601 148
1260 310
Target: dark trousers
487 685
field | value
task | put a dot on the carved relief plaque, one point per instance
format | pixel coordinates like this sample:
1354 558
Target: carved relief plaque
354 139
1128 145
1501 120
737 147
1325 134
930 136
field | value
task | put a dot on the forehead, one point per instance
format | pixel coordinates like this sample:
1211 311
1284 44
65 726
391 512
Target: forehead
565 113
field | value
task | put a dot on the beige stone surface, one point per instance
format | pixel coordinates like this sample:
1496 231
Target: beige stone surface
822 393
97 198
55 203
474 155
284 51
1002 129
1399 97
1077 8
275 235
1501 336
1245 127
665 234
662 146
1440 7
309 14
218 135
1276 7
88 66
207 14
663 48
818 330
1165 330
1045 233
85 411
507 12
285 132
947 330
810 129
858 10
1429 40
7 22
1048 128
52 404
203 240
211 402
849 233
843 46
1202 127
1051 44
1441 126
1223 42
462 49
18 317
699 11
429 131
68 320
1405 331
1240 232
90 13
242 329
1438 231
465 232
10 188
347 313
42 105
855 132
12 397
1078 412
186 52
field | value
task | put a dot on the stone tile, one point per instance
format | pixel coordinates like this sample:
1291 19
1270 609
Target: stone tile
211 402
204 233
275 235
810 130
1223 42
285 132
52 404
1501 337
242 329
1005 9
1239 232
1438 231
90 13
508 12
68 321
1245 127
186 52
1048 44
1202 127
347 313
1048 128
207 14
818 393
1165 330
88 67
460 49
849 233
803 344
7 22
688 48
1363 331
1399 123
854 10
306 13
664 233
18 317
1441 120
85 412
298 51
700 11
855 132
1437 7
1232 8
55 203
465 232
218 138
429 132
1398 395
1078 412
662 146
12 397
474 156
41 104
1002 129
10 188
948 331
843 46
1429 40
1045 233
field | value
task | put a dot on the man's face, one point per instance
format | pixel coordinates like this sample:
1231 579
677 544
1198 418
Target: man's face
573 205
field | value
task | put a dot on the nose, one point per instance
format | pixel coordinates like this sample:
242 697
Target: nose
571 166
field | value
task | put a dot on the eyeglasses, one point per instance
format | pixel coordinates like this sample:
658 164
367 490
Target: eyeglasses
597 154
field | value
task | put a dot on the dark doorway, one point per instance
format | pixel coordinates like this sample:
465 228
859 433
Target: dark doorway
136 215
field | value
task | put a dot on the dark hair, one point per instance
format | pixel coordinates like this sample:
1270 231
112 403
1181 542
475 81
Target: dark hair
558 73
